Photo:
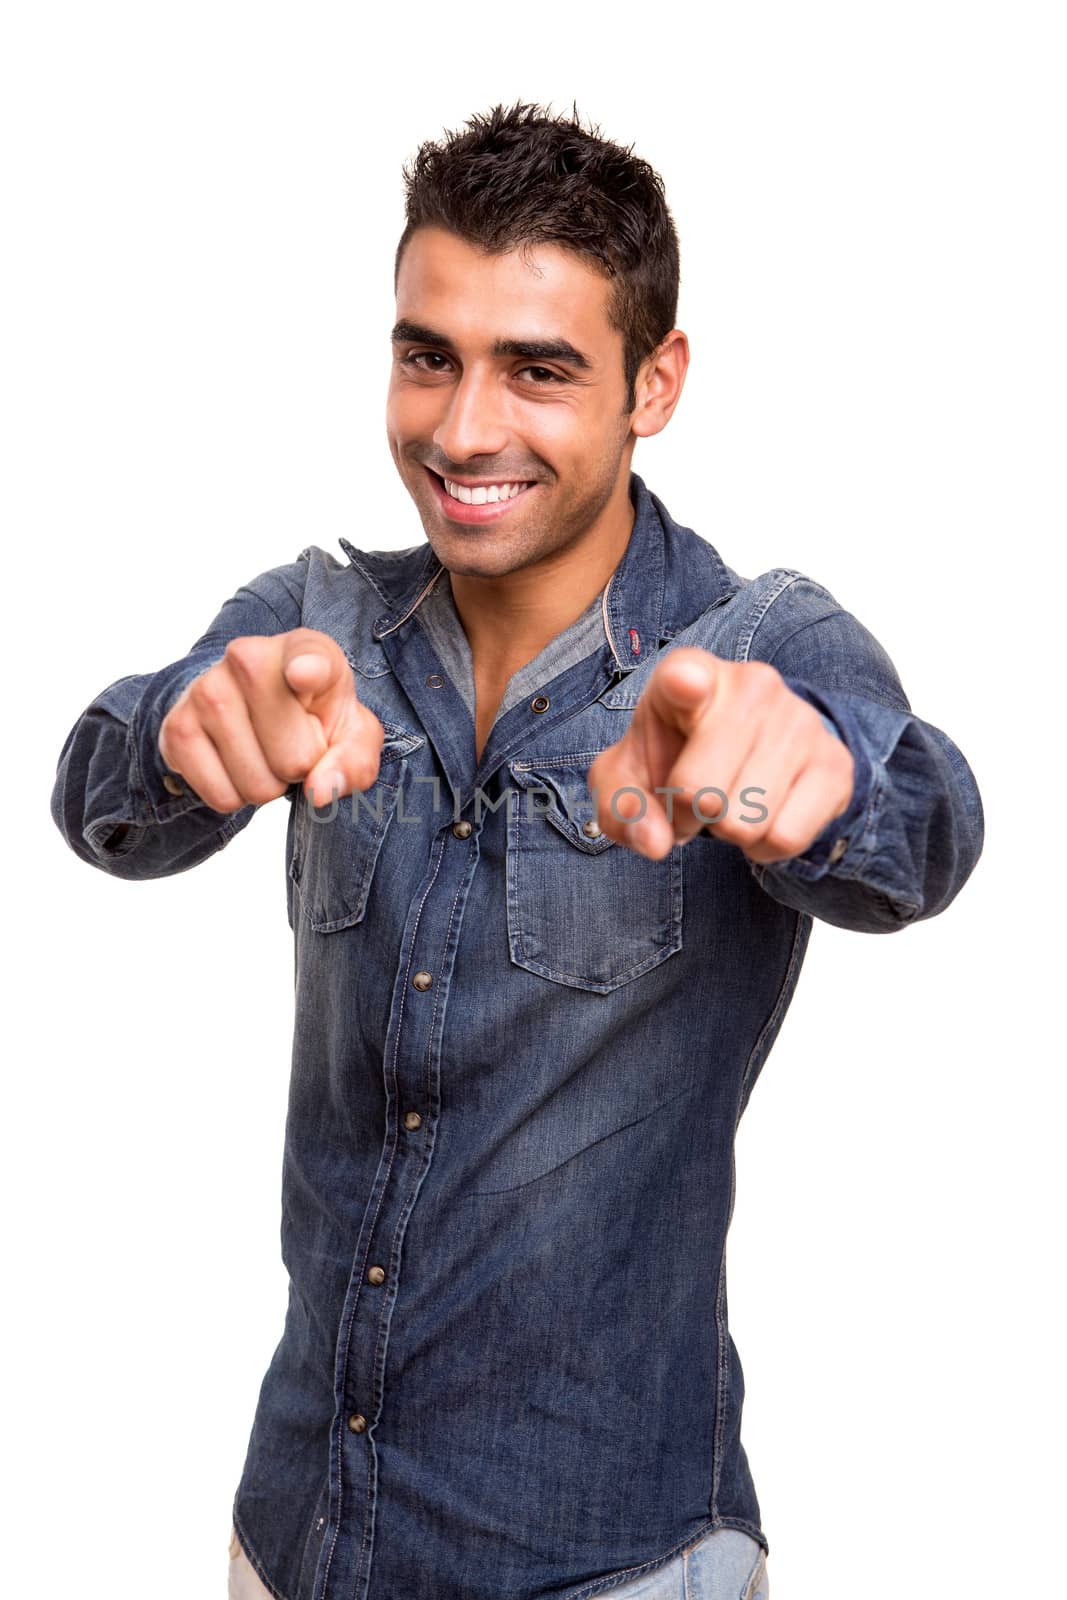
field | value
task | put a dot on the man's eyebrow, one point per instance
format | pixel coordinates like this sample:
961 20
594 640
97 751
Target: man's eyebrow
533 349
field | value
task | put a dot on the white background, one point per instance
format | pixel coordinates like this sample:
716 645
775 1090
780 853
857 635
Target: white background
201 204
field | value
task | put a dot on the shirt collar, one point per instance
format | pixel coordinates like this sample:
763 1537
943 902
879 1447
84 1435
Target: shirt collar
666 578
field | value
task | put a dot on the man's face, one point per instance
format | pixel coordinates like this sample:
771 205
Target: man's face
545 412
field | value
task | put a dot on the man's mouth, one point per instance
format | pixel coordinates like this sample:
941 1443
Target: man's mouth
478 502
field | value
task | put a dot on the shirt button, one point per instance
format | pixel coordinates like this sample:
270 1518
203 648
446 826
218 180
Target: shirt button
412 1120
540 702
463 830
376 1275
592 829
357 1423
172 784
422 980
840 846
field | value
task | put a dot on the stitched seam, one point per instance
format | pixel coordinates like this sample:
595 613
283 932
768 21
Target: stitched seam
813 622
423 592
721 1363
776 1010
253 1560
368 578
721 1329
379 1368
785 576
247 589
617 1578
348 1335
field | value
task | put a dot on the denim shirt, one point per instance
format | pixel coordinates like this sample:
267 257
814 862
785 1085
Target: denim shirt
521 1052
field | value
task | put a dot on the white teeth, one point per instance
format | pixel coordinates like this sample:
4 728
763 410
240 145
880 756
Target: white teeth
484 494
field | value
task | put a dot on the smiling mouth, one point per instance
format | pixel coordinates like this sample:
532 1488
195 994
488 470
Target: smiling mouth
483 502
485 493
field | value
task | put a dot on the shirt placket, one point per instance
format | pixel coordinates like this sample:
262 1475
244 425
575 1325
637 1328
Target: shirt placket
412 1070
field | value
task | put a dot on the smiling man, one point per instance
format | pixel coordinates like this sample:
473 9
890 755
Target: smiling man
580 793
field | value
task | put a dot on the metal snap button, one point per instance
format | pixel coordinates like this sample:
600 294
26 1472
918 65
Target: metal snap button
463 830
592 828
839 848
435 680
540 702
376 1275
172 784
422 980
412 1120
357 1423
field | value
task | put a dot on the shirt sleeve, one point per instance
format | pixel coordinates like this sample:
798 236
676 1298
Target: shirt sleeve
114 800
914 827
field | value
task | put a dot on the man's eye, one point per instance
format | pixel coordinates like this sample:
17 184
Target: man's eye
415 356
553 376
542 377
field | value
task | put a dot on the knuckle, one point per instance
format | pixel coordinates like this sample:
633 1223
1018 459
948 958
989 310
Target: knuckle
782 841
180 725
762 676
210 692
265 789
730 830
845 763
243 652
294 768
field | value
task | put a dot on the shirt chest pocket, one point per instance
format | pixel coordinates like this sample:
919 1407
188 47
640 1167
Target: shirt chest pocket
581 909
333 850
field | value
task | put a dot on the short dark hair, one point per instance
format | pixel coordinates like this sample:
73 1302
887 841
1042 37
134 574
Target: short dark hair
520 176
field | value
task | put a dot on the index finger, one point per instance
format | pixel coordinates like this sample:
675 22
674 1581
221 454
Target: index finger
627 809
682 687
289 732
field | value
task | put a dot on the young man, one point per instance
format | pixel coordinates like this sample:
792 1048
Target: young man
581 790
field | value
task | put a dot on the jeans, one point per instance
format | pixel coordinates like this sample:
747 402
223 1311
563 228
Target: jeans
724 1565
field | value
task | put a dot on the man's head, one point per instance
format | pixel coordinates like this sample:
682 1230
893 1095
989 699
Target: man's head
537 286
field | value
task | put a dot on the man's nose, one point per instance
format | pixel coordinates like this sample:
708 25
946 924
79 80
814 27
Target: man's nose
475 422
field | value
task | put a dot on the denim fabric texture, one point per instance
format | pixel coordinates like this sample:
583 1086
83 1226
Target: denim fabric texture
520 1055
725 1565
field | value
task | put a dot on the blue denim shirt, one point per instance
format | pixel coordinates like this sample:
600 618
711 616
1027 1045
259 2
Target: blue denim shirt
521 1053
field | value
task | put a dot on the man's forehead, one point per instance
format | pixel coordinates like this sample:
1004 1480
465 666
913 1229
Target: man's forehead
540 294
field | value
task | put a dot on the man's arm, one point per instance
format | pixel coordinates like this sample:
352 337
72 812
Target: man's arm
114 799
914 827
848 806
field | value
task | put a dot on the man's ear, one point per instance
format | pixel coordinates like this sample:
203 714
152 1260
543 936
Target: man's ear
659 385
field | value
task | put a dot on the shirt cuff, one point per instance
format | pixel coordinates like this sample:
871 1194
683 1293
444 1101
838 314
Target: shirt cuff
844 843
164 793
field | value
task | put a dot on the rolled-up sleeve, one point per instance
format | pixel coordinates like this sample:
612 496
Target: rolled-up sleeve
113 799
914 827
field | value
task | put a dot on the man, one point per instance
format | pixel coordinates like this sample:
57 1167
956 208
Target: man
579 790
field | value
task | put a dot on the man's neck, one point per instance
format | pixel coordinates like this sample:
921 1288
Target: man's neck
510 620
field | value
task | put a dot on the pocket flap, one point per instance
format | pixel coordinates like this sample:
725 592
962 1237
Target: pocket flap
560 793
332 858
